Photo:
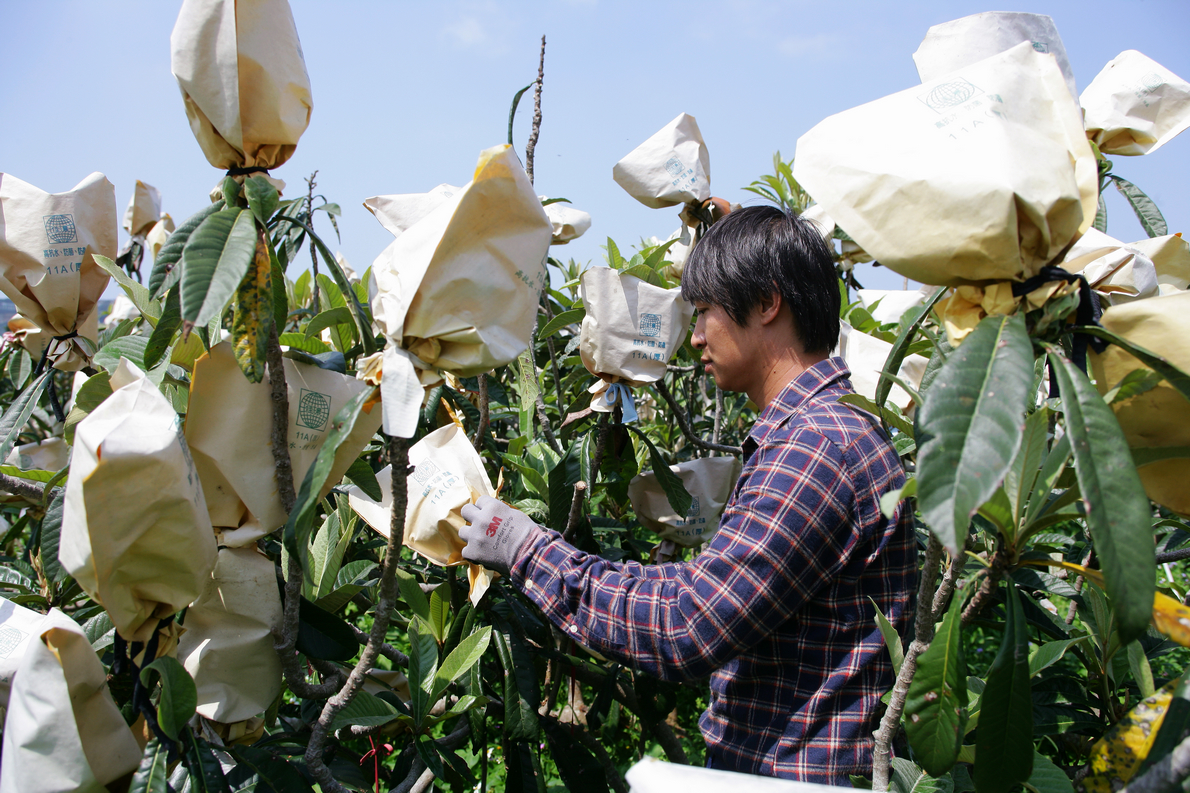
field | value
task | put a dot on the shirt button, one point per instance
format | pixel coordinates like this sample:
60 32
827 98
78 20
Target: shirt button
574 629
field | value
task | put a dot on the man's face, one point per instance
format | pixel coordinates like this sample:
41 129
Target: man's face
726 347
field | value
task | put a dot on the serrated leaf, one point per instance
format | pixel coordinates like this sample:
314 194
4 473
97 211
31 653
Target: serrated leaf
1150 217
1004 742
1026 465
1135 383
215 260
969 428
165 267
179 696
1100 223
1172 374
149 308
572 317
254 314
19 411
936 705
892 640
1117 509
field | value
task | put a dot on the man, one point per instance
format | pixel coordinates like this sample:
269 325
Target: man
777 608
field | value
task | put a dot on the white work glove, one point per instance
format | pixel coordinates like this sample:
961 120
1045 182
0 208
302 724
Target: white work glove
496 534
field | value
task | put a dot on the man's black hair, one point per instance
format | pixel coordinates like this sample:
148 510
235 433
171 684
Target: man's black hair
741 258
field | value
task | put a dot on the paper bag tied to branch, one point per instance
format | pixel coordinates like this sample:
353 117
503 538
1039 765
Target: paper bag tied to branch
447 474
866 355
457 290
568 223
708 480
1135 105
1160 417
1170 255
631 329
672 167
228 644
18 625
229 429
243 78
1117 270
144 210
63 730
135 530
48 243
982 175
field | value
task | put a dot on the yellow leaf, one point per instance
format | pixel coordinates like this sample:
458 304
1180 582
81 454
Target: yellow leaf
1171 618
254 313
1119 753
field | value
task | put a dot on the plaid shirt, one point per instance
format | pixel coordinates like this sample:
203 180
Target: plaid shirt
776 607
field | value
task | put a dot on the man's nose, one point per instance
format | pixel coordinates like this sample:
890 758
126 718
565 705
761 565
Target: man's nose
698 339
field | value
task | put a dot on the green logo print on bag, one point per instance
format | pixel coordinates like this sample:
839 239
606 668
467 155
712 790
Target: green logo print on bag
314 410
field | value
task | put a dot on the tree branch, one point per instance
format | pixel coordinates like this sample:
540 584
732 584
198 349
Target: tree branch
387 650
532 144
398 455
24 488
684 424
1173 556
484 414
575 510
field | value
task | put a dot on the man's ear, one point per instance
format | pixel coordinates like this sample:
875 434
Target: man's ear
769 307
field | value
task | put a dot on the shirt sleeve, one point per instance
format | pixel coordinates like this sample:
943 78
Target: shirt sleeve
786 534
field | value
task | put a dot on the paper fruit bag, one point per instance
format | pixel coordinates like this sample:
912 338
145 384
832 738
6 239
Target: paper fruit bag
1171 259
709 480
982 175
17 626
672 167
1111 267
398 212
228 644
961 42
52 454
447 474
135 530
229 427
63 731
889 305
144 210
866 355
48 243
28 335
159 234
243 78
1160 417
457 290
568 223
1135 105
630 331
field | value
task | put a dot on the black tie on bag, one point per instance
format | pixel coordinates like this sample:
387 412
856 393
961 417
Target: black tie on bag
1088 313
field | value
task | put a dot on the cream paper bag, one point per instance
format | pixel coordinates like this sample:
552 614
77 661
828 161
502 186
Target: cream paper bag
1135 105
447 474
144 210
678 253
159 234
1171 259
17 626
243 78
457 290
63 731
229 427
889 305
52 454
568 223
982 175
1115 269
866 355
1160 417
48 243
708 480
135 530
961 42
672 167
398 212
630 331
28 335
228 644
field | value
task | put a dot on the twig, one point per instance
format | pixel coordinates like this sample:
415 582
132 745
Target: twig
22 487
484 412
684 424
600 447
718 416
615 779
387 650
1173 556
681 369
1166 774
413 777
532 144
575 510
310 242
946 588
398 454
279 440
923 630
544 419
987 589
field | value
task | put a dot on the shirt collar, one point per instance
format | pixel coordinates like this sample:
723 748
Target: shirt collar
810 382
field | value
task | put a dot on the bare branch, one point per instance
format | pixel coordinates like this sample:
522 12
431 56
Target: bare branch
575 510
987 589
279 440
684 424
1173 556
387 650
484 413
24 488
532 144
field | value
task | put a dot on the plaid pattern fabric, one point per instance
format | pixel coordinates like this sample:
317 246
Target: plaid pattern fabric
776 608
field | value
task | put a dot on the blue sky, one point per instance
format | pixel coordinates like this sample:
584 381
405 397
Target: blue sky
407 94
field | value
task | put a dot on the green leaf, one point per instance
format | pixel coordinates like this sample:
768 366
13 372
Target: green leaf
892 640
936 706
1135 383
179 697
516 100
896 356
1050 653
1141 672
527 389
273 771
362 476
1100 223
324 636
297 528
280 299
51 527
679 498
149 308
969 428
1117 509
533 479
1051 471
1146 211
520 718
1173 726
412 594
152 774
206 773
423 664
427 750
461 659
299 341
166 271
364 710
1047 777
91 395
215 260
253 321
1172 374
263 198
891 417
439 613
18 413
163 335
572 317
1004 741
1026 465
328 319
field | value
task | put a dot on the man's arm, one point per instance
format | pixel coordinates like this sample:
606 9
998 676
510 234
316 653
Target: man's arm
787 534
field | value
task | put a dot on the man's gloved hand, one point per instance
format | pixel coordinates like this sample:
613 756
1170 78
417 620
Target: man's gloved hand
496 534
